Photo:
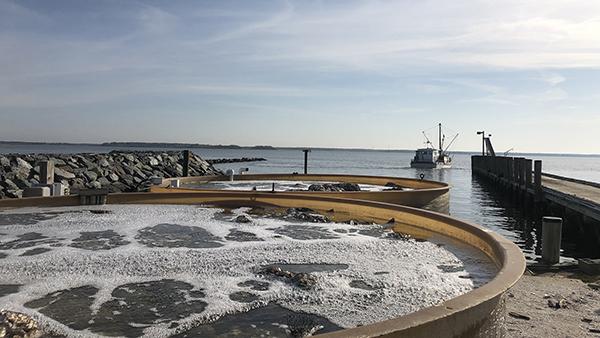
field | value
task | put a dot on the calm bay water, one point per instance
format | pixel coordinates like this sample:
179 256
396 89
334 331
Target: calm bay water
470 198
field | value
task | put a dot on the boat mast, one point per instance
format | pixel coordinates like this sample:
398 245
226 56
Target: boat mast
440 138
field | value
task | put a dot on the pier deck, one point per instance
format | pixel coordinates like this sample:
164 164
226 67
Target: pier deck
579 190
581 196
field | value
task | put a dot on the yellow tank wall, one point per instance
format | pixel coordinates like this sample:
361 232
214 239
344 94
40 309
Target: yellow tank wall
429 195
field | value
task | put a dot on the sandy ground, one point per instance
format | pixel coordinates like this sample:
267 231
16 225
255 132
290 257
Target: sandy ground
577 316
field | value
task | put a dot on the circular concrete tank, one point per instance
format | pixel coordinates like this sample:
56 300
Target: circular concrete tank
417 193
478 313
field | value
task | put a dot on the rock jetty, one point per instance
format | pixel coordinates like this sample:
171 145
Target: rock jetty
118 171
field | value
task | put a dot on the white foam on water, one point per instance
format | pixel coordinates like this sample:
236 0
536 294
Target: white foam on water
280 185
413 280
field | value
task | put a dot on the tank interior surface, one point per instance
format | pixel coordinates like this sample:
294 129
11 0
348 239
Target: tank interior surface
283 185
303 181
202 270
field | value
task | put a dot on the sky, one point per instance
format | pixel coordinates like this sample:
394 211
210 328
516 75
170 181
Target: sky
348 74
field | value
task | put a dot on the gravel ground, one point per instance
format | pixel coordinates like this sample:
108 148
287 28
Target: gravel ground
532 309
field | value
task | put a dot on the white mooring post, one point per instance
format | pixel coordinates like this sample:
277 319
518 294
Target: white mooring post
551 237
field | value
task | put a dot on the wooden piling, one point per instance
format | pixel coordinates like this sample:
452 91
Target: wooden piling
186 163
506 168
306 151
518 175
511 171
537 180
47 172
528 172
521 180
526 186
551 238
517 171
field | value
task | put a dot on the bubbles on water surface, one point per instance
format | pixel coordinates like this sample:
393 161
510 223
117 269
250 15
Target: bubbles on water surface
175 235
136 270
99 240
282 185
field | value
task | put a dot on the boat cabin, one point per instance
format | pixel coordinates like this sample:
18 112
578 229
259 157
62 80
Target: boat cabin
426 155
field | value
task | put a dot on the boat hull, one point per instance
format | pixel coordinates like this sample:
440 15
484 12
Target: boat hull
429 165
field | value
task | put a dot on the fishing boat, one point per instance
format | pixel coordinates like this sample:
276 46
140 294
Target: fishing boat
432 158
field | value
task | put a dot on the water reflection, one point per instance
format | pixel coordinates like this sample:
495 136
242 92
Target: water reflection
498 211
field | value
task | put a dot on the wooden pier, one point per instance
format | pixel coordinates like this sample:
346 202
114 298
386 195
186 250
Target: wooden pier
576 201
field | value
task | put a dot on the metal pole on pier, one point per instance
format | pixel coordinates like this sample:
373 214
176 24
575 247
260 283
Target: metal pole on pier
551 237
306 151
482 133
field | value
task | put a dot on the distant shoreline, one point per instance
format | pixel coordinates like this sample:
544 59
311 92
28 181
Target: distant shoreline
180 145
156 145
165 145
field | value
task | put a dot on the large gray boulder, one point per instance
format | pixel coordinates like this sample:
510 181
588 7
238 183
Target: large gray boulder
22 164
8 184
60 174
90 175
4 162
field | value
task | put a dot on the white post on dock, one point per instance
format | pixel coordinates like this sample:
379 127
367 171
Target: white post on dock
551 238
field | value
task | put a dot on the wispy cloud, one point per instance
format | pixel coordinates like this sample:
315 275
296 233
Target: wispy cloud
552 78
14 16
256 26
156 21
499 95
391 34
